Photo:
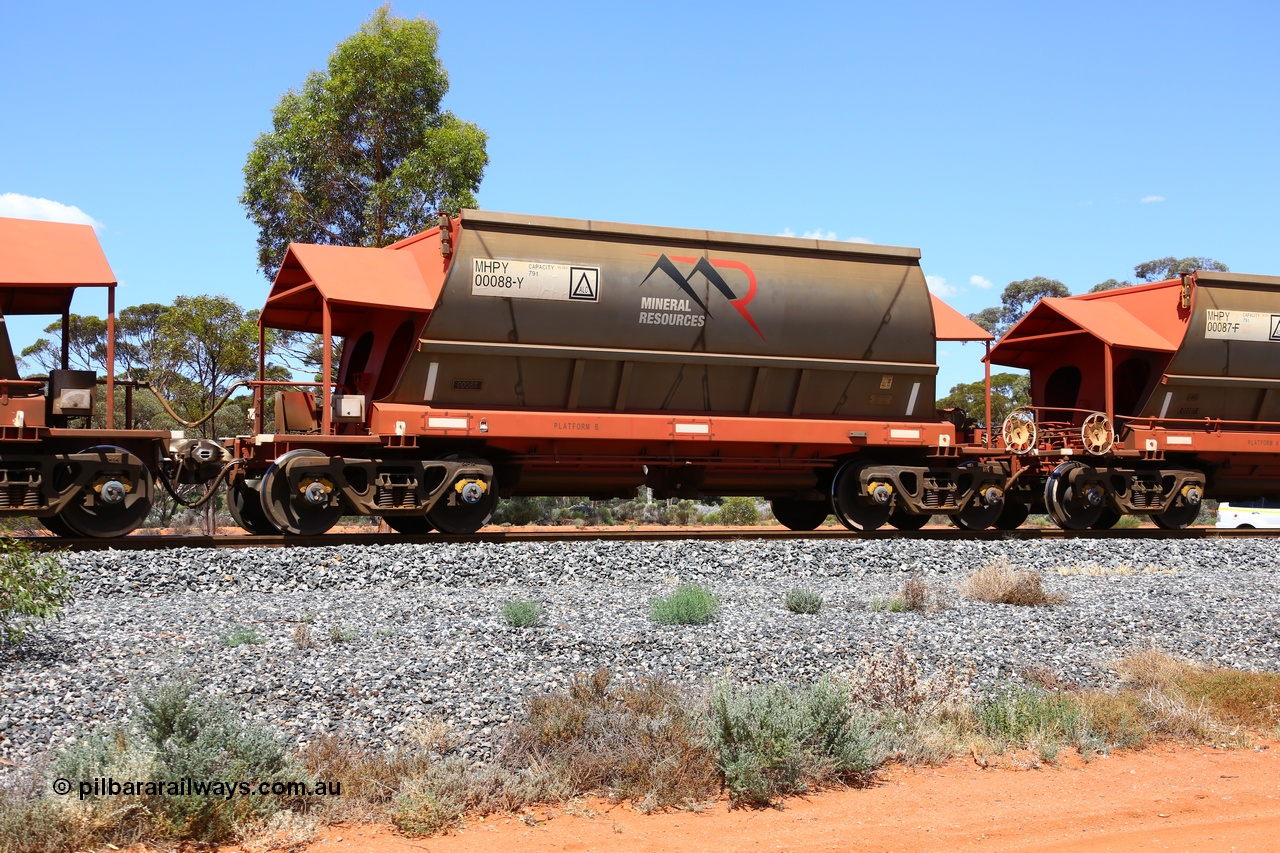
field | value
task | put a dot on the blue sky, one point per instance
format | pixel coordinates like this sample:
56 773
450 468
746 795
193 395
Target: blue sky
1004 140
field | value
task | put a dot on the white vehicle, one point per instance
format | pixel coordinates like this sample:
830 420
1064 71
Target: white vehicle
1261 512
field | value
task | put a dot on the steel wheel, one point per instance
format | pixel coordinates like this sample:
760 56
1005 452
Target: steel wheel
409 525
55 525
244 502
904 520
799 515
1070 509
116 503
978 514
855 510
289 511
1109 519
456 512
1178 517
1012 514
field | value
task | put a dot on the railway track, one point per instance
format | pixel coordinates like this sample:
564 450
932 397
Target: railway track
143 542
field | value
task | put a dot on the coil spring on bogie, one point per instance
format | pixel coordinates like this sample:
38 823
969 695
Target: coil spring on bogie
13 496
939 498
395 497
19 489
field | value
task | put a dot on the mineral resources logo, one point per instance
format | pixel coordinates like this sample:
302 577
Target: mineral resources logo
679 312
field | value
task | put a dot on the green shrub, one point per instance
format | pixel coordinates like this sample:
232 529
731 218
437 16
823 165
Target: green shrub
739 512
342 634
774 741
522 613
242 635
32 586
690 604
1030 717
803 601
178 736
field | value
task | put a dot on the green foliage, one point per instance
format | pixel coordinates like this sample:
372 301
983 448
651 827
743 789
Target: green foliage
1109 284
1008 392
739 512
363 155
1028 716
86 350
522 613
1016 300
800 600
242 635
179 736
690 604
342 634
1162 269
774 741
32 586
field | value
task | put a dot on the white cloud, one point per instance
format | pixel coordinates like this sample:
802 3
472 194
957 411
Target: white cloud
29 207
979 281
938 286
1151 199
820 234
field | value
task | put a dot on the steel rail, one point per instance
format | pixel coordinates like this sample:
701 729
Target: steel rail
144 542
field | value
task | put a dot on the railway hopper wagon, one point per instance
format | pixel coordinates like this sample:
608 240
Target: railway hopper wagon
516 355
79 481
1145 400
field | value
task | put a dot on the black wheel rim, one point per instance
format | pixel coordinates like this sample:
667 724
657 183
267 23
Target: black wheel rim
1177 518
1012 515
244 502
290 512
1109 519
1064 507
854 511
409 525
452 514
799 515
908 521
89 516
978 516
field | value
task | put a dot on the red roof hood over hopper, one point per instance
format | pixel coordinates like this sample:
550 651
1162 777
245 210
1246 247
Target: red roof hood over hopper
351 279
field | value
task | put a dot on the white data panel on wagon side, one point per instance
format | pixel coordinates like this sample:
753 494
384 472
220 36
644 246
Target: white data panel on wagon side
533 280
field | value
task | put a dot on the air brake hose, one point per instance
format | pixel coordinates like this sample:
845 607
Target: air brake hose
208 495
239 383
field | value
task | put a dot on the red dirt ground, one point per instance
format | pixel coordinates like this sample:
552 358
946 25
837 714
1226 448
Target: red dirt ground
1186 799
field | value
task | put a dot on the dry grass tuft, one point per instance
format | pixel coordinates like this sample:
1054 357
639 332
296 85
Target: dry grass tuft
645 742
999 583
1151 667
894 683
915 594
1249 699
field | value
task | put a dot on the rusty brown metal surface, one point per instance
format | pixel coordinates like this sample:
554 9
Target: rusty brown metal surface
1225 369
570 314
